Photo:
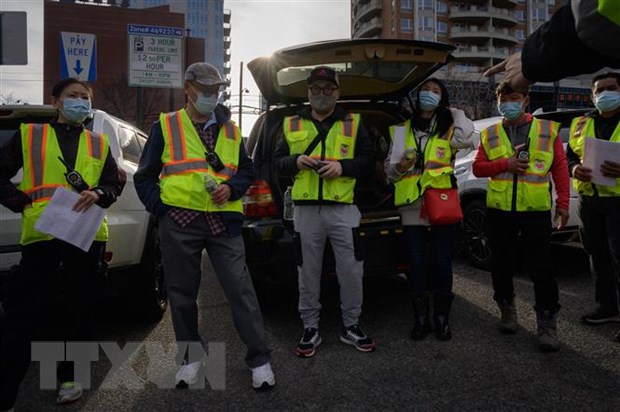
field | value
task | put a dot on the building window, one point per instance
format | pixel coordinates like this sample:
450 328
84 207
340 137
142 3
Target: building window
406 25
442 27
426 4
520 34
405 5
426 23
442 7
520 15
539 14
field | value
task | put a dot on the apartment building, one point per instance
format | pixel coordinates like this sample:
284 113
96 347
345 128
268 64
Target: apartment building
485 32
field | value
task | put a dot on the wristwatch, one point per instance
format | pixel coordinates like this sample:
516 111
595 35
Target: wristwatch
99 191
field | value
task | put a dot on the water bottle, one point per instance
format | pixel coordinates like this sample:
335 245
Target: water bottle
210 183
288 204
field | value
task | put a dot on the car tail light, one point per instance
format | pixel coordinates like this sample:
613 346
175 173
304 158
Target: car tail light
108 256
259 201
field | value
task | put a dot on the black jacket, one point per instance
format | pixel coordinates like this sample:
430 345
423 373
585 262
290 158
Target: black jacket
360 166
146 178
555 51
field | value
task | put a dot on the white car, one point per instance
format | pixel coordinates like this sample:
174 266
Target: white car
472 191
132 261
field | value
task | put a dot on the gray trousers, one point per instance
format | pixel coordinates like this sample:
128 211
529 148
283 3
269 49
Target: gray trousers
315 224
181 249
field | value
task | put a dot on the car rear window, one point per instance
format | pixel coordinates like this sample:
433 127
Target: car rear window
386 71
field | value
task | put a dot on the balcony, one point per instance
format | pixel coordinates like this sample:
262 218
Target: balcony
505 3
482 13
366 11
227 15
226 29
473 53
368 29
477 33
226 42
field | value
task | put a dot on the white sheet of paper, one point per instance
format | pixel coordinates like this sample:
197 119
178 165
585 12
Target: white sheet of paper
595 152
398 144
62 222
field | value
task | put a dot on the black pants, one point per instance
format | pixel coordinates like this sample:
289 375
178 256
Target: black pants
27 293
600 235
535 231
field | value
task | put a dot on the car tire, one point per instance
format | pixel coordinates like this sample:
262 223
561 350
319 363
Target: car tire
476 240
147 294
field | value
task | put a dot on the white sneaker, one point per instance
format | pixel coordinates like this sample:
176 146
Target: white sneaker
262 377
188 374
69 392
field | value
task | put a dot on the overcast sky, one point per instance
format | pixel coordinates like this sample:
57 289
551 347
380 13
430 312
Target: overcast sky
259 27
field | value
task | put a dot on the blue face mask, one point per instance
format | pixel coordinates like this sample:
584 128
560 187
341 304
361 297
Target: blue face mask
510 110
75 111
607 101
428 100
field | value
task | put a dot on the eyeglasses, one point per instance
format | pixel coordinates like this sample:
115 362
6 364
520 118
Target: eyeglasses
327 91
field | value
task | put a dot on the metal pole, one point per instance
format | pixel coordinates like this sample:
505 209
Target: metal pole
240 96
139 107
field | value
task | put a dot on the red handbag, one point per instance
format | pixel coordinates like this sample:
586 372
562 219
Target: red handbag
441 206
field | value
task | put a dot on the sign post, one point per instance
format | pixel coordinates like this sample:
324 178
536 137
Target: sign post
78 56
155 56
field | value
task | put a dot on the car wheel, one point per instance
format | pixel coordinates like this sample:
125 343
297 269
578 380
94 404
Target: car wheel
477 248
148 295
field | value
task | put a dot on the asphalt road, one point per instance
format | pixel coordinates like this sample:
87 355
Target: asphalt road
479 369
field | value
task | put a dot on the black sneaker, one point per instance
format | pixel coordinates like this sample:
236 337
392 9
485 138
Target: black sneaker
308 343
354 336
600 316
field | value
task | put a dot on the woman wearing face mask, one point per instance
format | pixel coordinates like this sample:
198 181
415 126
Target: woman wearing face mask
520 155
38 149
432 136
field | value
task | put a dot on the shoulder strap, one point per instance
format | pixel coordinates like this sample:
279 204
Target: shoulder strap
314 143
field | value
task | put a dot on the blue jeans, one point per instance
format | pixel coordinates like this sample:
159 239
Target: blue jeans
430 254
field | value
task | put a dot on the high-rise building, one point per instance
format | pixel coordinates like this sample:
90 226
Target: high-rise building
485 32
205 19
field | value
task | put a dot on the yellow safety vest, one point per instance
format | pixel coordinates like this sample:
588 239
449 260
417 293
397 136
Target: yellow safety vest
533 187
339 144
182 180
44 172
438 167
582 128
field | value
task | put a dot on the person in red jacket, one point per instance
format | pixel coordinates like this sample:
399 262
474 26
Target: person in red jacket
518 155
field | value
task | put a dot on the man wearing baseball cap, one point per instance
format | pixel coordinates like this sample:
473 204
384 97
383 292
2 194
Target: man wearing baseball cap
326 150
192 176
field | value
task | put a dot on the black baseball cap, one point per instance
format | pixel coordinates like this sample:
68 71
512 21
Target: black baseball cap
324 73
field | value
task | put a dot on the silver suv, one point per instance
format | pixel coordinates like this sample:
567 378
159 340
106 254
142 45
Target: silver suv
131 263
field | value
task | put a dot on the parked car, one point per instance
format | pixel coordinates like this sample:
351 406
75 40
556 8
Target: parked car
132 260
473 191
377 78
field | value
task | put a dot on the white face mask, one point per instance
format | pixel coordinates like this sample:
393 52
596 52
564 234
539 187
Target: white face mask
205 103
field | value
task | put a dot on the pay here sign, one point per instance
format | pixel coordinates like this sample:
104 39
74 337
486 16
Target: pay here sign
155 56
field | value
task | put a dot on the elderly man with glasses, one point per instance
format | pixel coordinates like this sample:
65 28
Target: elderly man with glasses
326 151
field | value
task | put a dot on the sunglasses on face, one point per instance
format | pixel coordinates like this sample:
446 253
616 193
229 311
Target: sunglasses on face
327 90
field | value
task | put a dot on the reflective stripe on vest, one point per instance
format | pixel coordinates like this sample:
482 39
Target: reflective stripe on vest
581 129
44 173
532 193
183 159
339 144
